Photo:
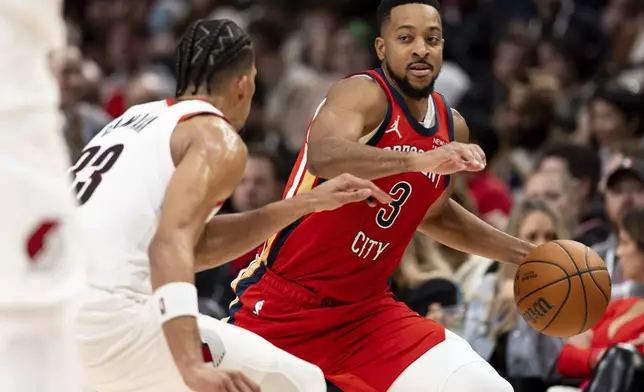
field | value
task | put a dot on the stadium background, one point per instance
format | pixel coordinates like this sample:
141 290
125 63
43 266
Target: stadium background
552 90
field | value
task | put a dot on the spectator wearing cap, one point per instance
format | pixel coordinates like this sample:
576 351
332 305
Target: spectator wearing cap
615 117
623 192
584 166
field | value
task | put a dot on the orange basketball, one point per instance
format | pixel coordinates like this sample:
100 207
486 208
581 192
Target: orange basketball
562 288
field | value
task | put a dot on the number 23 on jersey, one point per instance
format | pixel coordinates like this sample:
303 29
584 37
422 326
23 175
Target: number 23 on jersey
93 163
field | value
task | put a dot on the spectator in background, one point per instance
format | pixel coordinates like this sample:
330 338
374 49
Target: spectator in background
623 191
563 60
493 327
615 117
623 321
83 119
559 189
148 86
294 90
525 123
492 196
584 165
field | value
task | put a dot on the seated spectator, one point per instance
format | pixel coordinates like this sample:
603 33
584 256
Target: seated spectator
583 164
560 190
623 190
492 325
623 321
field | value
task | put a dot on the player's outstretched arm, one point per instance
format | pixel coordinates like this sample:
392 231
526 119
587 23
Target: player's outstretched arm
228 236
358 104
209 159
454 226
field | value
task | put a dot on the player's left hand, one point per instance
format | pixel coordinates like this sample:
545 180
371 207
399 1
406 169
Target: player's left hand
345 189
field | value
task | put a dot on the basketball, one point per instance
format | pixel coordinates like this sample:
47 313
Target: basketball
562 288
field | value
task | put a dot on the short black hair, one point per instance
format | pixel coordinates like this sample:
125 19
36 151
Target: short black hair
385 7
209 51
583 162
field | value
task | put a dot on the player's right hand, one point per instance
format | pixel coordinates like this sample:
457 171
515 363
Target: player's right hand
206 378
345 189
451 158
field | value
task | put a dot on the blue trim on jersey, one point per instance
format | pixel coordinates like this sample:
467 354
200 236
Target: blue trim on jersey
450 118
450 128
418 127
280 240
242 286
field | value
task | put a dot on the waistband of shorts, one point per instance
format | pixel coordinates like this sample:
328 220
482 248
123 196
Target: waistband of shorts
296 294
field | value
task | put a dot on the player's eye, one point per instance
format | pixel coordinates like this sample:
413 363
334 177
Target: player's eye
404 38
433 40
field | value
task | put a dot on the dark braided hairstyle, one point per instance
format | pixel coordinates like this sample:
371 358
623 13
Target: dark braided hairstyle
211 51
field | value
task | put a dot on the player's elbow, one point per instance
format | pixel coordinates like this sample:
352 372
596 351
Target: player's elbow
320 160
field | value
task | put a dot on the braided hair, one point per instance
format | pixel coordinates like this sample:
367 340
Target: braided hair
211 51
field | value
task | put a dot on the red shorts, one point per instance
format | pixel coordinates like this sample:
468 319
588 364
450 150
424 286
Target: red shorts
361 346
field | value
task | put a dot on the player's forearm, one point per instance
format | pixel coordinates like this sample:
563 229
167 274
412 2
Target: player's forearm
172 262
228 236
459 229
333 156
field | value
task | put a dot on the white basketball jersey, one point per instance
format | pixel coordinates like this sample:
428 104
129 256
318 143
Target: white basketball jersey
120 182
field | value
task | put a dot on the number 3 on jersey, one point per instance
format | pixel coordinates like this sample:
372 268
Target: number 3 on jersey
91 166
387 215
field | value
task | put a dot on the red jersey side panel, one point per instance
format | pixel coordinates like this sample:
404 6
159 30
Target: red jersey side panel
319 288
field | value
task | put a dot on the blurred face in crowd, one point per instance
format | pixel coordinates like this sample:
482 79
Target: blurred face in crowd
67 65
626 193
555 64
631 257
258 186
349 56
509 61
608 124
411 48
538 228
549 186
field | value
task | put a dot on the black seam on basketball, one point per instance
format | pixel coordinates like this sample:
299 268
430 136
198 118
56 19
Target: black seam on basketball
560 306
583 286
592 277
556 281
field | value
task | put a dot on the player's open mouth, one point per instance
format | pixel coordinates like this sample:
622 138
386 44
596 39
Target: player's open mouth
420 70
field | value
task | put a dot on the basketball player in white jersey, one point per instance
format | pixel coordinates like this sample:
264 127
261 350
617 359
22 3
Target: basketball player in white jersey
40 272
148 183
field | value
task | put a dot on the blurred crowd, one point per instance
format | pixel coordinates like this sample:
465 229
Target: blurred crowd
553 91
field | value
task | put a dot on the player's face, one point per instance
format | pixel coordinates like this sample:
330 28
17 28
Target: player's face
631 258
411 48
538 228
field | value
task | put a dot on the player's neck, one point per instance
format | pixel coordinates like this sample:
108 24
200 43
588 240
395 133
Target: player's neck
417 106
216 101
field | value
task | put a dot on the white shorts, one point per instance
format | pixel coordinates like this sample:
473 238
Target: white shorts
451 366
123 349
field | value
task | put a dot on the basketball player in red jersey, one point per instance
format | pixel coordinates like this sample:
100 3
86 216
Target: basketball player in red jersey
319 288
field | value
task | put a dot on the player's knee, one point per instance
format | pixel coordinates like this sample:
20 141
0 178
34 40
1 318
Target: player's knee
477 376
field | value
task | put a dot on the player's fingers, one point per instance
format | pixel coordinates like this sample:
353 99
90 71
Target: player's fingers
359 183
481 154
354 196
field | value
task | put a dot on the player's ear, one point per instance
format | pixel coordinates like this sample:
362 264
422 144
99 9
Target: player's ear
380 48
242 87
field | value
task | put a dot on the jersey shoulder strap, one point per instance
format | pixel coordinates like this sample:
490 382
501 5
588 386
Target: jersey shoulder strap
444 110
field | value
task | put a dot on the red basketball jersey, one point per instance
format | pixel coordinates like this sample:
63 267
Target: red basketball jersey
349 254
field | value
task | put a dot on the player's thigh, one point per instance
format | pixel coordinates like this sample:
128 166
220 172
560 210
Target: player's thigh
451 366
273 369
127 351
